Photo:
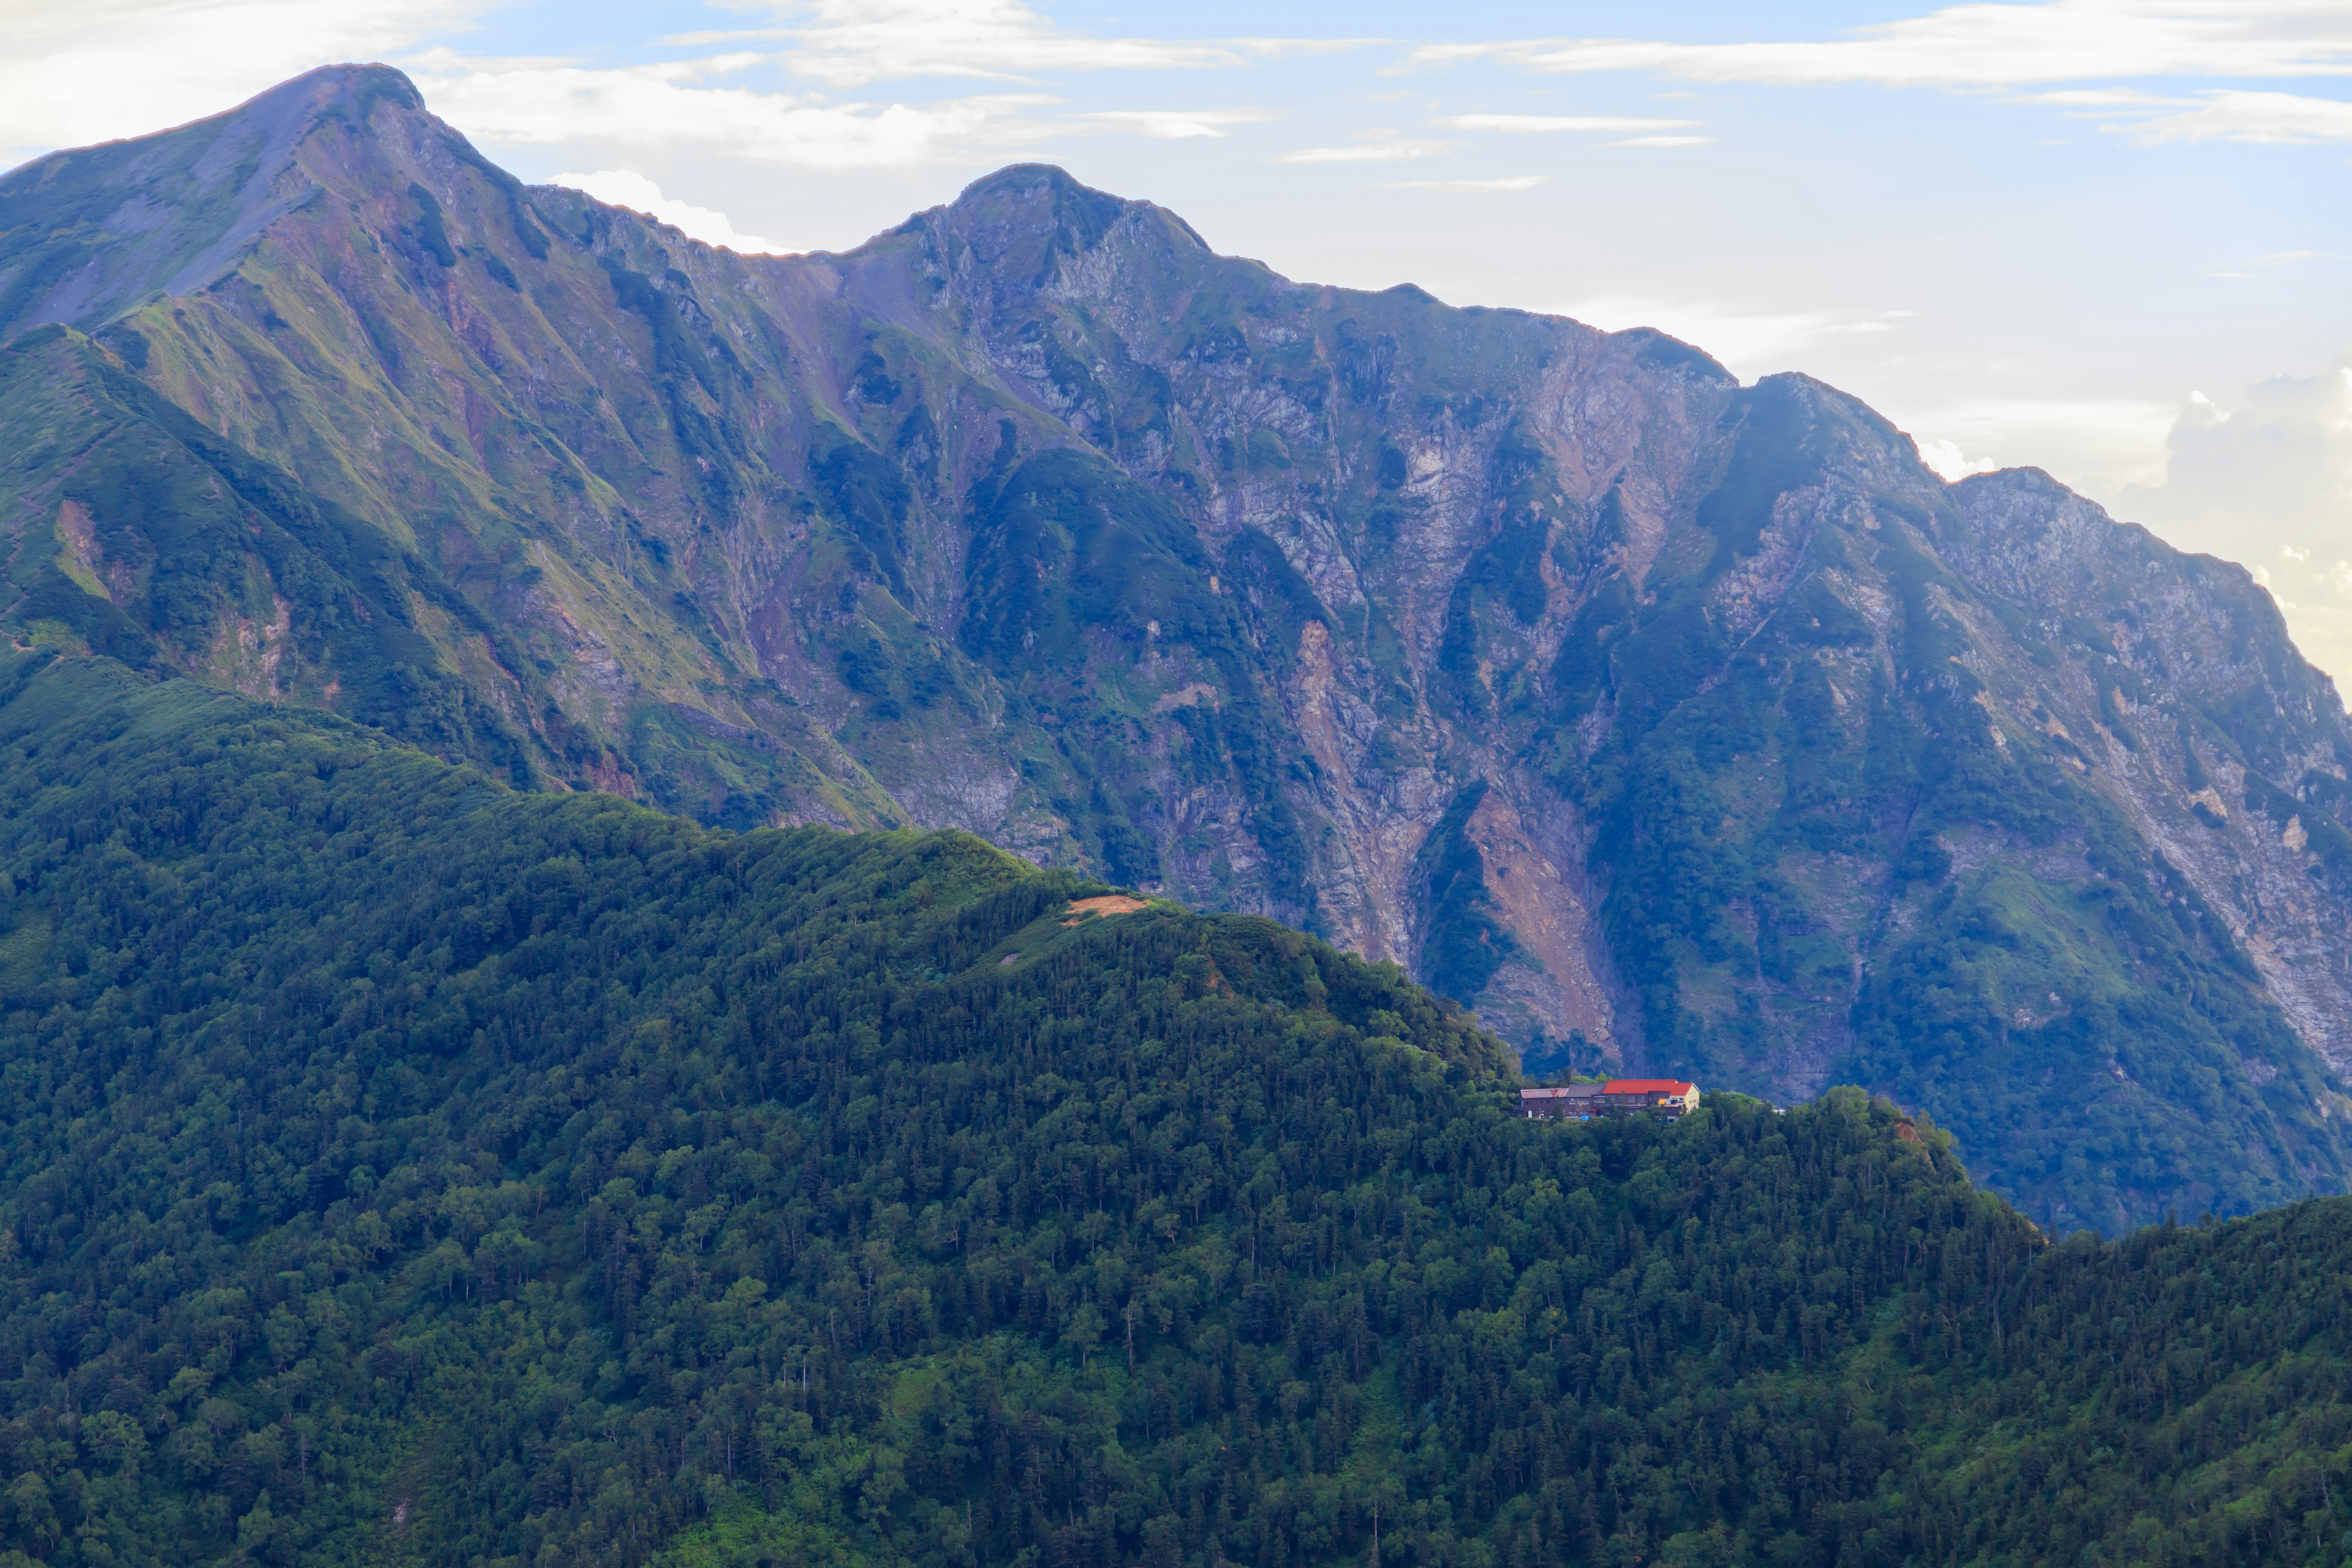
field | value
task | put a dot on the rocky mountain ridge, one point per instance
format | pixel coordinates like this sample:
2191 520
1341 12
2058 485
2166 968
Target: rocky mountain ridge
1670 721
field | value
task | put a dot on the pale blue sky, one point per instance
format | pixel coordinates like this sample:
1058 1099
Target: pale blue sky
2029 233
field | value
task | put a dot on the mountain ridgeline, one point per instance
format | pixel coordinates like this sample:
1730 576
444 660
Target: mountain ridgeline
1672 724
397 1168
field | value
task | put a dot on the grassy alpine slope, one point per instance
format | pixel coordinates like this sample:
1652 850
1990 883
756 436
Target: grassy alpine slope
402 1169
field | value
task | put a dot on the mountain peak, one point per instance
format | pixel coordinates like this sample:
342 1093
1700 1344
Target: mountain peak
90 232
1029 181
357 85
1018 219
1037 199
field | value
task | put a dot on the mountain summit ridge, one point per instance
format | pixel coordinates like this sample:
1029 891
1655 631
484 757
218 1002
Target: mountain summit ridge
1674 724
225 167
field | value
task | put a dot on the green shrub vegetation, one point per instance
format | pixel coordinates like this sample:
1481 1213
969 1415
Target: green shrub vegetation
402 1169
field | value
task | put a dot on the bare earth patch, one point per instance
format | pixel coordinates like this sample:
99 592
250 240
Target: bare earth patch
1107 904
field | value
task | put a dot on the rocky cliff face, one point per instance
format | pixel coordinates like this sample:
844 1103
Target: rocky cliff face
2224 749
1669 721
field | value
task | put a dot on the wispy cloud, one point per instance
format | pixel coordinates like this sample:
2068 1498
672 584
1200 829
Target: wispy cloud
2212 114
851 43
627 188
2237 271
1179 124
682 104
1367 152
1986 44
1604 125
1500 183
2104 99
2237 115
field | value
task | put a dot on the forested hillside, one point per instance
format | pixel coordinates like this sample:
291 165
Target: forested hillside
399 1168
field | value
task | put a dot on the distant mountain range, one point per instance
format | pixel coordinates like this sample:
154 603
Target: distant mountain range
1673 724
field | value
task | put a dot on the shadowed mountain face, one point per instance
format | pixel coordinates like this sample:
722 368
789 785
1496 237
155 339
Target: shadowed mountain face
1674 723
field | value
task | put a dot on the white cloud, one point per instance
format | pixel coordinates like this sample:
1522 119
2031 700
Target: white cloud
627 188
2244 116
2273 479
1602 124
2275 259
850 43
1987 45
92 70
1501 182
853 42
1367 152
1949 462
674 105
1179 124
2105 97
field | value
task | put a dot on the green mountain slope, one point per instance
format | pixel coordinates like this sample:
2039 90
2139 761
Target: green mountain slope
177 551
399 1168
1670 723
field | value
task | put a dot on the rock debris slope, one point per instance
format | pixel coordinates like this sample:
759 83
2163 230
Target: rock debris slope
1672 724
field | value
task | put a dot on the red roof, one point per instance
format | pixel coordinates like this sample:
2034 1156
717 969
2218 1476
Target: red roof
1646 1086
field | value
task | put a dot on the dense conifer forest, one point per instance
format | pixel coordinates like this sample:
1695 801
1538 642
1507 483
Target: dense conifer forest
398 1168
